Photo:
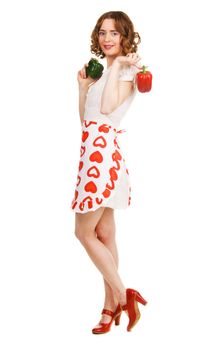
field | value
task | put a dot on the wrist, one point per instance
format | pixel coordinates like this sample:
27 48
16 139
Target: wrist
83 89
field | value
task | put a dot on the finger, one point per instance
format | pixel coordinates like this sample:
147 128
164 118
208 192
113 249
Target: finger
84 73
80 73
137 59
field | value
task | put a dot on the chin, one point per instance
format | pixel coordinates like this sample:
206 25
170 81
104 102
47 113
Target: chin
111 54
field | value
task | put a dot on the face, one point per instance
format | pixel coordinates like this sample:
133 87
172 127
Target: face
109 38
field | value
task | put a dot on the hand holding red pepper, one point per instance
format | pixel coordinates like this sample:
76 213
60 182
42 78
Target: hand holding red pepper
144 80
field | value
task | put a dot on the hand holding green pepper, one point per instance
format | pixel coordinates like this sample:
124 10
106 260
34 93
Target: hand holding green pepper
94 69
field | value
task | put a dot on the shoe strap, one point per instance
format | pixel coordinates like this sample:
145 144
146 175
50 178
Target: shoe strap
107 312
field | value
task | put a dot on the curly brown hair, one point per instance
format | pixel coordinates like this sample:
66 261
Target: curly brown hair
130 38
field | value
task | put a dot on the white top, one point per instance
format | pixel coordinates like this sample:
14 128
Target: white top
93 100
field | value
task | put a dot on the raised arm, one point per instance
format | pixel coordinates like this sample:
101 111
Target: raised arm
115 91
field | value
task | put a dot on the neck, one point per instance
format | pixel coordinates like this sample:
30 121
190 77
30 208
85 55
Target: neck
110 60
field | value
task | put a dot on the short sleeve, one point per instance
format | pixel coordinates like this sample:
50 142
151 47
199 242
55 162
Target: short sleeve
128 73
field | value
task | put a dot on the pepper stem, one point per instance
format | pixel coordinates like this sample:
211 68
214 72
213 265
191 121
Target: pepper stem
144 68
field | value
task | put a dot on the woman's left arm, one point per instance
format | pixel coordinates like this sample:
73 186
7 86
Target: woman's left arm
115 91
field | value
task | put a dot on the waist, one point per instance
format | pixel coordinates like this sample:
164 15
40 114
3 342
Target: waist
104 123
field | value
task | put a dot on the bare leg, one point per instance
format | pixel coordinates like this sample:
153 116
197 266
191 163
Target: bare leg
105 230
99 254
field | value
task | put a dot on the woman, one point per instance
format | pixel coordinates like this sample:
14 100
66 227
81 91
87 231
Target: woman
103 180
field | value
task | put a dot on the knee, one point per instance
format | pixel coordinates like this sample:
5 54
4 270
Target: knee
83 234
79 233
105 232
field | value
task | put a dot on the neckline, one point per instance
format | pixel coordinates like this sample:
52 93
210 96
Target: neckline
109 67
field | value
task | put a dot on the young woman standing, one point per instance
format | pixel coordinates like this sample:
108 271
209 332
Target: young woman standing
103 179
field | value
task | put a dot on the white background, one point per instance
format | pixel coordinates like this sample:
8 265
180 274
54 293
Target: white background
51 293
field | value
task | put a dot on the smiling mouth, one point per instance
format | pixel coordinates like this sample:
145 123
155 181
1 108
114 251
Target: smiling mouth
108 47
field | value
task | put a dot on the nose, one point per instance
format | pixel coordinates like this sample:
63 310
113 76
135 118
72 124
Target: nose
107 37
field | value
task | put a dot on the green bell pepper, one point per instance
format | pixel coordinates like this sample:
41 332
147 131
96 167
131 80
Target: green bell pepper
94 69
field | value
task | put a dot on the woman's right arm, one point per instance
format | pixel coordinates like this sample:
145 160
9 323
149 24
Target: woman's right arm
84 83
82 101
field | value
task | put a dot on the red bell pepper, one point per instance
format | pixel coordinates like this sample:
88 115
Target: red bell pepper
144 80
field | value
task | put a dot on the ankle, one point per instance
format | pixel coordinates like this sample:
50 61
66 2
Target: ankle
110 304
122 297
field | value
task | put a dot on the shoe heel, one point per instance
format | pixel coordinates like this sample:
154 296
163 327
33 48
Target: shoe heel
117 320
140 299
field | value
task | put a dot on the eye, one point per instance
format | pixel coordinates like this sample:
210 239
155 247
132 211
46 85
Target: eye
101 33
115 33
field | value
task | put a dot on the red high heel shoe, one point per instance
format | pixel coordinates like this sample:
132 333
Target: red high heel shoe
131 306
105 327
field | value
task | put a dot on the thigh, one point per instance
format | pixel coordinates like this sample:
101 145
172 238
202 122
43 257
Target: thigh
88 221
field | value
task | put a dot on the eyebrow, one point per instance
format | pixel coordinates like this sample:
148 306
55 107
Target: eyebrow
102 30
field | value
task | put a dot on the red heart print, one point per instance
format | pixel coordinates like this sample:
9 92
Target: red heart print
99 201
96 157
90 187
112 186
79 180
74 205
85 135
106 193
89 123
116 156
104 128
116 144
89 201
113 174
81 165
93 171
101 143
83 149
81 206
118 165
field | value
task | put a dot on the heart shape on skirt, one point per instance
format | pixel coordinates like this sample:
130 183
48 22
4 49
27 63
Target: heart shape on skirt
99 201
93 171
116 156
106 193
85 135
90 187
104 128
81 165
113 174
79 180
118 165
96 157
83 149
102 143
112 186
89 202
89 123
76 195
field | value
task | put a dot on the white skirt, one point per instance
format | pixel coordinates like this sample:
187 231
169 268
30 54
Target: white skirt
103 179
